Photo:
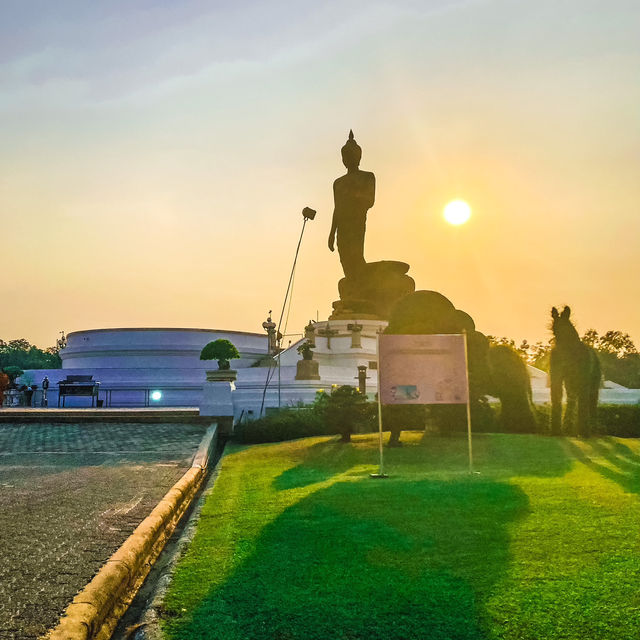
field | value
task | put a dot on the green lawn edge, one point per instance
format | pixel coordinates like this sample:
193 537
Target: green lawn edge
296 541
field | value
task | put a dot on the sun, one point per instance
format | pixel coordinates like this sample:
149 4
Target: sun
457 212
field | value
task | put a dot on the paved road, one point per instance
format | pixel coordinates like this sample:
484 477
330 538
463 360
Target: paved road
70 494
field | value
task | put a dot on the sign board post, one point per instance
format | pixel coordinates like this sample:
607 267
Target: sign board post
381 473
423 370
466 373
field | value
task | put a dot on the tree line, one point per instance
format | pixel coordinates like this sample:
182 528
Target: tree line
24 355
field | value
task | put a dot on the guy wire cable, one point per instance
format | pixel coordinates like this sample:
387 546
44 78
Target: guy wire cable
284 304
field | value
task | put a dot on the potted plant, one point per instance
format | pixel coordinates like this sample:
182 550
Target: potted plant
306 350
221 350
307 368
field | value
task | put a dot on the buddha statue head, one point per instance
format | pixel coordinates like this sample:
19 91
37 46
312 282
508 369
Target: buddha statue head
351 153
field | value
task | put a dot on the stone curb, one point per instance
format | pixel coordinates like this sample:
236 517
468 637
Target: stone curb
95 611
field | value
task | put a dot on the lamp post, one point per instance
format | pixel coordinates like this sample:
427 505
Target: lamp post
307 214
362 379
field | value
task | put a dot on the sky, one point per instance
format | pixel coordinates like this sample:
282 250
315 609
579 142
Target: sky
155 158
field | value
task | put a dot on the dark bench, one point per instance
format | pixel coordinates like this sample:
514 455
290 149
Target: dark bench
78 385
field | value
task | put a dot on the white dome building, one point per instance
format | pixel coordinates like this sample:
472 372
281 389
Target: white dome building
145 366
167 349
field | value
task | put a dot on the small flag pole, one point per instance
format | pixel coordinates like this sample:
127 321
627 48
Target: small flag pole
381 473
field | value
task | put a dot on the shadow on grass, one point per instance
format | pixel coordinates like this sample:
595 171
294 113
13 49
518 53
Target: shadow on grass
622 463
344 564
324 460
522 455
497 455
408 557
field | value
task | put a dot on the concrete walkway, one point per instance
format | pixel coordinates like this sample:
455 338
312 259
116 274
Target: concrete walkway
9 415
70 495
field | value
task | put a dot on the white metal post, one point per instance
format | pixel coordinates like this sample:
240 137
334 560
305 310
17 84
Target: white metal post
381 473
466 373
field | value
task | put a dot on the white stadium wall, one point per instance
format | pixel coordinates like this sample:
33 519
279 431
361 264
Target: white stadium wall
131 363
155 348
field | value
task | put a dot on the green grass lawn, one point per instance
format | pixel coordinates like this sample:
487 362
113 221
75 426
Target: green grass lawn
296 541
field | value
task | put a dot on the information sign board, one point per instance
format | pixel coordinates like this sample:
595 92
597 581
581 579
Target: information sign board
423 369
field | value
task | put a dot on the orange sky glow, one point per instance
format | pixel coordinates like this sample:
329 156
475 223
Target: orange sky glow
155 160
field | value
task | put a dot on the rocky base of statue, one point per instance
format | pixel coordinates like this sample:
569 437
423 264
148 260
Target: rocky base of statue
307 370
372 294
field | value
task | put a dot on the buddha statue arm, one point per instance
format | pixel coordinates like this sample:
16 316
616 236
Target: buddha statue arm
368 193
372 194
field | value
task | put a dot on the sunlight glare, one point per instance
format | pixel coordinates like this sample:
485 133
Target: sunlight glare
457 212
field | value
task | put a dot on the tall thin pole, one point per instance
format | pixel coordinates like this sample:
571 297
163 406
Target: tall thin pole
284 304
466 373
380 447
381 473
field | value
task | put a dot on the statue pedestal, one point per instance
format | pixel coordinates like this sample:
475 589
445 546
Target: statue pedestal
217 399
372 293
307 370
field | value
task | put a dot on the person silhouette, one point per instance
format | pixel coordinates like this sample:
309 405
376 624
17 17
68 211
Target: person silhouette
4 385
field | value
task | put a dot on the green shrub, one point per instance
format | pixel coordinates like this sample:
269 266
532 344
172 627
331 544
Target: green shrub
620 420
13 372
452 418
484 417
344 408
286 424
341 412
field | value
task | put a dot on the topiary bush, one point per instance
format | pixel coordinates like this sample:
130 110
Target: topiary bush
511 384
221 350
499 372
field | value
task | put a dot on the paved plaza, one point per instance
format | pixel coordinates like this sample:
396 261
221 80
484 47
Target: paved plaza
70 495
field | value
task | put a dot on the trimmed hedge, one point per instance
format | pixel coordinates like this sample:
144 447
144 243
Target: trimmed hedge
288 424
620 420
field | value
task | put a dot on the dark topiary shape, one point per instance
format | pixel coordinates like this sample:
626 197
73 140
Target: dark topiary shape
423 312
575 366
428 312
511 384
465 321
345 407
